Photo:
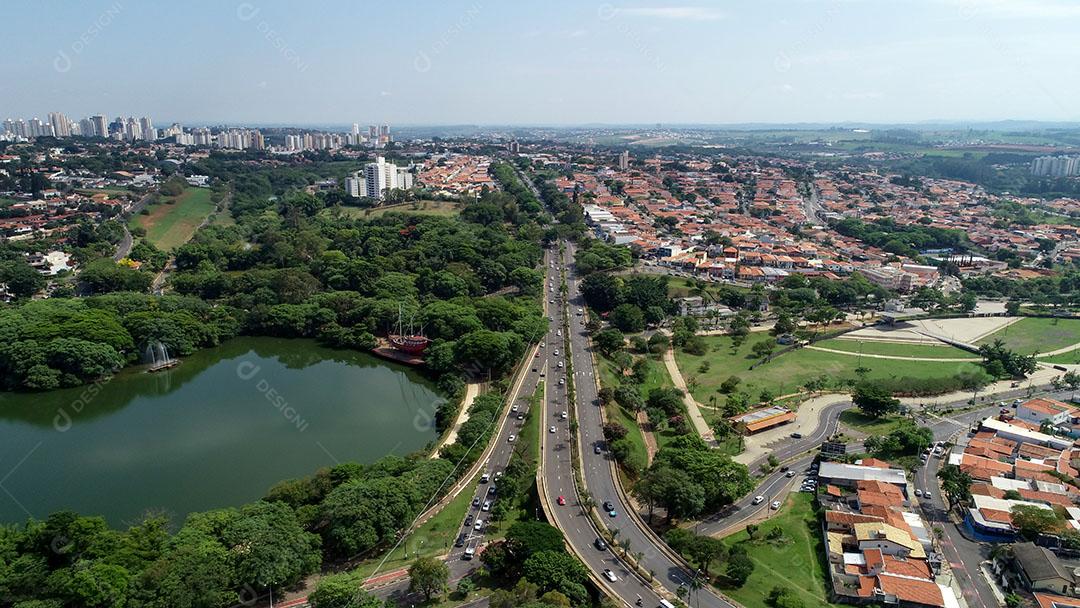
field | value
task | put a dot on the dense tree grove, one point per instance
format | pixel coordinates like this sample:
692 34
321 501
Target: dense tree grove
341 281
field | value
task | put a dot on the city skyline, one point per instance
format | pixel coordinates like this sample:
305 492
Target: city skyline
468 62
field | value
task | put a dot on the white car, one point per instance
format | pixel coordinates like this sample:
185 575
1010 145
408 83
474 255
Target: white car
564 415
513 408
479 524
562 381
511 438
556 353
609 575
560 364
775 504
758 500
551 429
918 493
487 506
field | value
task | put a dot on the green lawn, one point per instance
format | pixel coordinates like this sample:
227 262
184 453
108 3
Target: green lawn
897 350
172 223
788 372
869 425
1037 335
441 208
1072 357
796 562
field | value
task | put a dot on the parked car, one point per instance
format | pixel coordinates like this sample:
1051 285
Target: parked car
775 504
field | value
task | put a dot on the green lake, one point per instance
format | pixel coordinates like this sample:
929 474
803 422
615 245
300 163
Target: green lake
215 431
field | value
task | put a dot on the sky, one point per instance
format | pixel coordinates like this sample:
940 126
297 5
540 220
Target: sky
551 62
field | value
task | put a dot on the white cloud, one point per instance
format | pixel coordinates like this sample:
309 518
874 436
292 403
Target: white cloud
1015 9
682 13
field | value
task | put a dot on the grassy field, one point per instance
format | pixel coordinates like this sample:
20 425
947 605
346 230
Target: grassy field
171 224
897 350
1070 358
657 377
788 372
869 425
1037 335
441 208
796 562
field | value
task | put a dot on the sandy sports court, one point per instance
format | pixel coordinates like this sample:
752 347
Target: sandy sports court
966 329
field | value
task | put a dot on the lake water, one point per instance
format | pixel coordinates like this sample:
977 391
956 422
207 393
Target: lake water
217 430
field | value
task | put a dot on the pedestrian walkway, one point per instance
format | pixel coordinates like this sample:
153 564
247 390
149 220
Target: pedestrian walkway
896 357
692 409
472 389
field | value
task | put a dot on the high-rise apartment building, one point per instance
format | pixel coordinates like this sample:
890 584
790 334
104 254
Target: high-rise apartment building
624 160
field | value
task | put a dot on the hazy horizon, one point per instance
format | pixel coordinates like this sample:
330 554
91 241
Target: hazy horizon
560 64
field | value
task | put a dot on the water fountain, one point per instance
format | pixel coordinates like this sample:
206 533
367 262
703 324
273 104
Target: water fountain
157 355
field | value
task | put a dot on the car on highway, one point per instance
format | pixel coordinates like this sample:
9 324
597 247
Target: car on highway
560 365
775 504
485 477
918 493
551 301
487 506
790 474
469 552
492 490
926 494
609 575
796 435
460 542
561 500
498 476
562 381
468 520
511 438
476 502
597 449
758 500
556 352
514 408
478 525
613 513
564 415
551 429
608 505
521 416
600 544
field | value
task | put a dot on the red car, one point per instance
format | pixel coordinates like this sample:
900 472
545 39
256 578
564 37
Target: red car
562 501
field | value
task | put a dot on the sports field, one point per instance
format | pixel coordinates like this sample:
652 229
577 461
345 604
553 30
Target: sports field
897 349
787 373
1032 335
171 223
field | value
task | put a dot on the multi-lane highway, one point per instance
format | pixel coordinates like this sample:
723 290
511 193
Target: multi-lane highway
600 478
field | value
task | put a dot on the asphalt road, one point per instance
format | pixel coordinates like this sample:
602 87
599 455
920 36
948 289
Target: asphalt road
599 476
497 460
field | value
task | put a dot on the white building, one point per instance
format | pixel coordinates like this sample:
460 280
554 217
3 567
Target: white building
381 176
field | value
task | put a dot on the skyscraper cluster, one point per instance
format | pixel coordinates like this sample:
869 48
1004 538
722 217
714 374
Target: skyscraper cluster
59 125
1056 166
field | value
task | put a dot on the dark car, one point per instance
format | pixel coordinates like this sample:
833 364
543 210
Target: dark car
460 542
491 490
796 435
468 520
600 544
608 506
476 502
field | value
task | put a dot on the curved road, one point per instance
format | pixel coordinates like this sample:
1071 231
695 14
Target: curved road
600 475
